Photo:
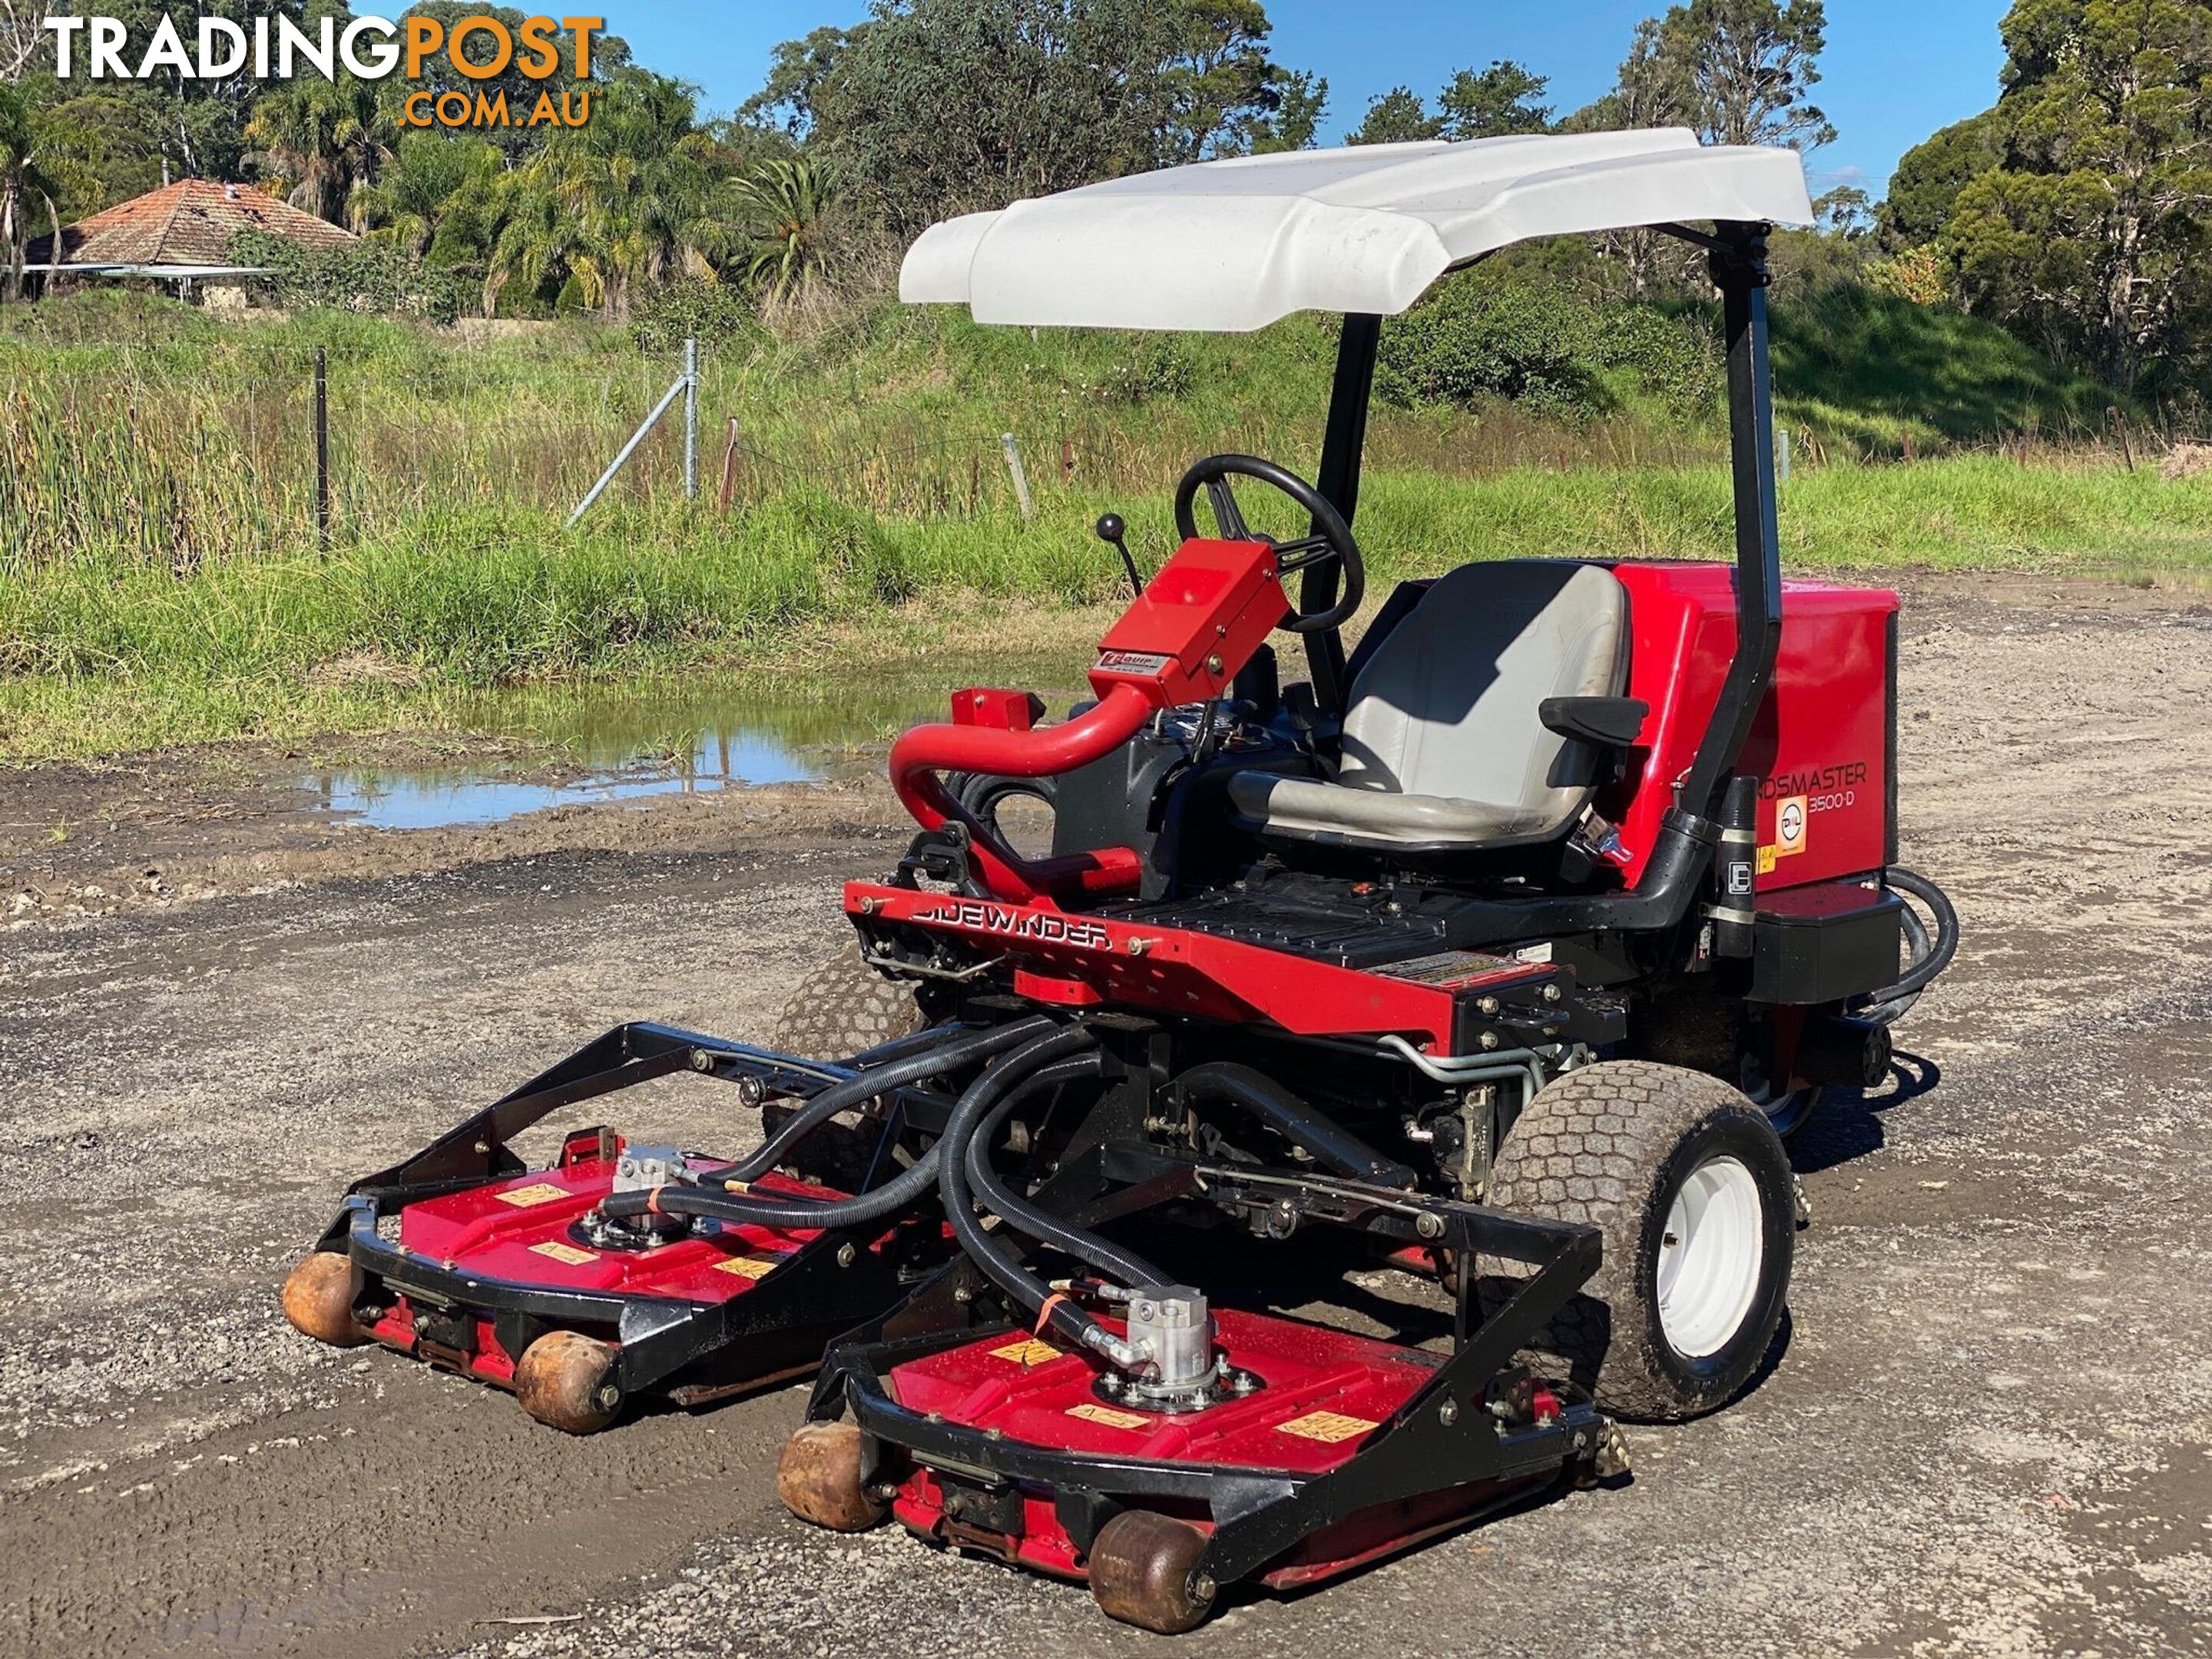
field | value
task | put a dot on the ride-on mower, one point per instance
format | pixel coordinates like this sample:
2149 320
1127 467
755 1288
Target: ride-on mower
1502 951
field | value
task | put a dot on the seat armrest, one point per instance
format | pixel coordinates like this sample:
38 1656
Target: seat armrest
1607 722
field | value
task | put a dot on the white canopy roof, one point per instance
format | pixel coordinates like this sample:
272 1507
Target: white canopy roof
1224 246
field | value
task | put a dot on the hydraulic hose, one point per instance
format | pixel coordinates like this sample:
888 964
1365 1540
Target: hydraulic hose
1891 1003
954 1049
1017 1212
997 1262
1291 1117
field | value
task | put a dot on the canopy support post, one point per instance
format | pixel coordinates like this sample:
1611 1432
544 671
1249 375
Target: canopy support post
1739 269
1343 443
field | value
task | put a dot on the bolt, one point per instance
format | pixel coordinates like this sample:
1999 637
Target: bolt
1139 947
701 1060
870 906
1111 1383
752 1091
1213 664
1551 994
609 1397
1202 1588
484 1148
962 1294
1429 1225
1489 1039
1486 1004
1447 1414
847 1255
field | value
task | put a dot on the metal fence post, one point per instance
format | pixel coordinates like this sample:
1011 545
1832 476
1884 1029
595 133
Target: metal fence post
690 419
1782 454
1021 478
322 448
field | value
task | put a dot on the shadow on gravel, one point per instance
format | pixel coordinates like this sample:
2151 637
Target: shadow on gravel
1848 1122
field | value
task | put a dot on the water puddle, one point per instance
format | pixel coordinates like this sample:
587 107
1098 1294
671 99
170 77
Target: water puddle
609 748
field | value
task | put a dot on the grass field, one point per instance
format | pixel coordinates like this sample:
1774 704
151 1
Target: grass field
159 581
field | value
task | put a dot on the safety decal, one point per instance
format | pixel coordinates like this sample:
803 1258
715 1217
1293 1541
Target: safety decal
1330 1428
1767 856
542 1192
1790 822
559 1252
1034 1351
1107 1415
748 1266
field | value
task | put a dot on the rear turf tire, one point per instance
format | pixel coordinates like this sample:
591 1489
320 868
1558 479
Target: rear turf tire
1688 1182
840 1007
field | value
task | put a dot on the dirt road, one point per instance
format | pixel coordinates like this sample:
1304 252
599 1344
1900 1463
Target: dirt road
1990 1430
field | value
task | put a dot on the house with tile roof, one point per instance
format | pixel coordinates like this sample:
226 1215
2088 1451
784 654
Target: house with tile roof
182 234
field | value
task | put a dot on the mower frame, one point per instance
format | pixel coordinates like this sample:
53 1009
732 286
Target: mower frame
778 1325
1258 1514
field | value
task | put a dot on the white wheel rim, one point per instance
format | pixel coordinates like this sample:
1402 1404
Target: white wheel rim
1710 1257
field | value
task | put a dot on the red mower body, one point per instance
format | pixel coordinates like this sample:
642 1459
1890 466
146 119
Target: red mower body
522 1231
1323 1394
1825 738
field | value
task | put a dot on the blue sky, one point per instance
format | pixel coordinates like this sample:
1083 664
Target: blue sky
1895 70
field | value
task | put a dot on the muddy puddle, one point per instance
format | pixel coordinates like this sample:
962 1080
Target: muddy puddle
584 749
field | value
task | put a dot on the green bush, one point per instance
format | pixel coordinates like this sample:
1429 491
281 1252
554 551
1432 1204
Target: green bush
362 275
710 312
571 301
1476 339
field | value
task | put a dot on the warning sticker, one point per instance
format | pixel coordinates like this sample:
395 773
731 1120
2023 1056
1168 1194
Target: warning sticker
1328 1427
1107 1415
559 1252
1034 1352
748 1266
543 1191
1766 858
1790 821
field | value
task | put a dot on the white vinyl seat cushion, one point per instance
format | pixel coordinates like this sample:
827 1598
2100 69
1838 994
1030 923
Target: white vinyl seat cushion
1443 744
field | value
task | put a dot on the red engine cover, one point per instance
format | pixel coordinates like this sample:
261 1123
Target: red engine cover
1822 740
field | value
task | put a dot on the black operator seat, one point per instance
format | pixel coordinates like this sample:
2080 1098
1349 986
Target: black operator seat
1479 722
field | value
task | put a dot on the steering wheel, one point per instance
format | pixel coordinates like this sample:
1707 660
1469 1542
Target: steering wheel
1331 538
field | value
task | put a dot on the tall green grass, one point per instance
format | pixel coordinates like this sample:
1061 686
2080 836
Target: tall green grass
98 654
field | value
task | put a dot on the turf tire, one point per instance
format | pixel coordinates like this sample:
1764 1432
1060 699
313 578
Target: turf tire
1612 1144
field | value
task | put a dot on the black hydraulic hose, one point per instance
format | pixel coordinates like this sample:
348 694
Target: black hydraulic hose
954 1049
1936 957
997 1261
1119 1264
1284 1112
897 1193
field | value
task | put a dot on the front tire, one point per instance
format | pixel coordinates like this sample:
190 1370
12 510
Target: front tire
1688 1182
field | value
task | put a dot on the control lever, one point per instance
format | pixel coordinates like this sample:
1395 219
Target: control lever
1110 532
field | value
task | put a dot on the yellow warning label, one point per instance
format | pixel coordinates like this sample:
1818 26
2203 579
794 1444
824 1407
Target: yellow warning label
1107 1415
1328 1427
1766 857
1791 819
543 1191
747 1266
559 1252
1034 1352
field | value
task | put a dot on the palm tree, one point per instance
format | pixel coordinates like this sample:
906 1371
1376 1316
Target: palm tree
621 203
420 186
328 140
779 208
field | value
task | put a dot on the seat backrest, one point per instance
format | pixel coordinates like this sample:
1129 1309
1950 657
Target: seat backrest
1447 706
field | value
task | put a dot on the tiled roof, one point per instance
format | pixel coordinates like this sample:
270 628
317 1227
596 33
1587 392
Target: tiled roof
190 223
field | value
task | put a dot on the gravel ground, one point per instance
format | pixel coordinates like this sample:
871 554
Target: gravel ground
1990 1432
